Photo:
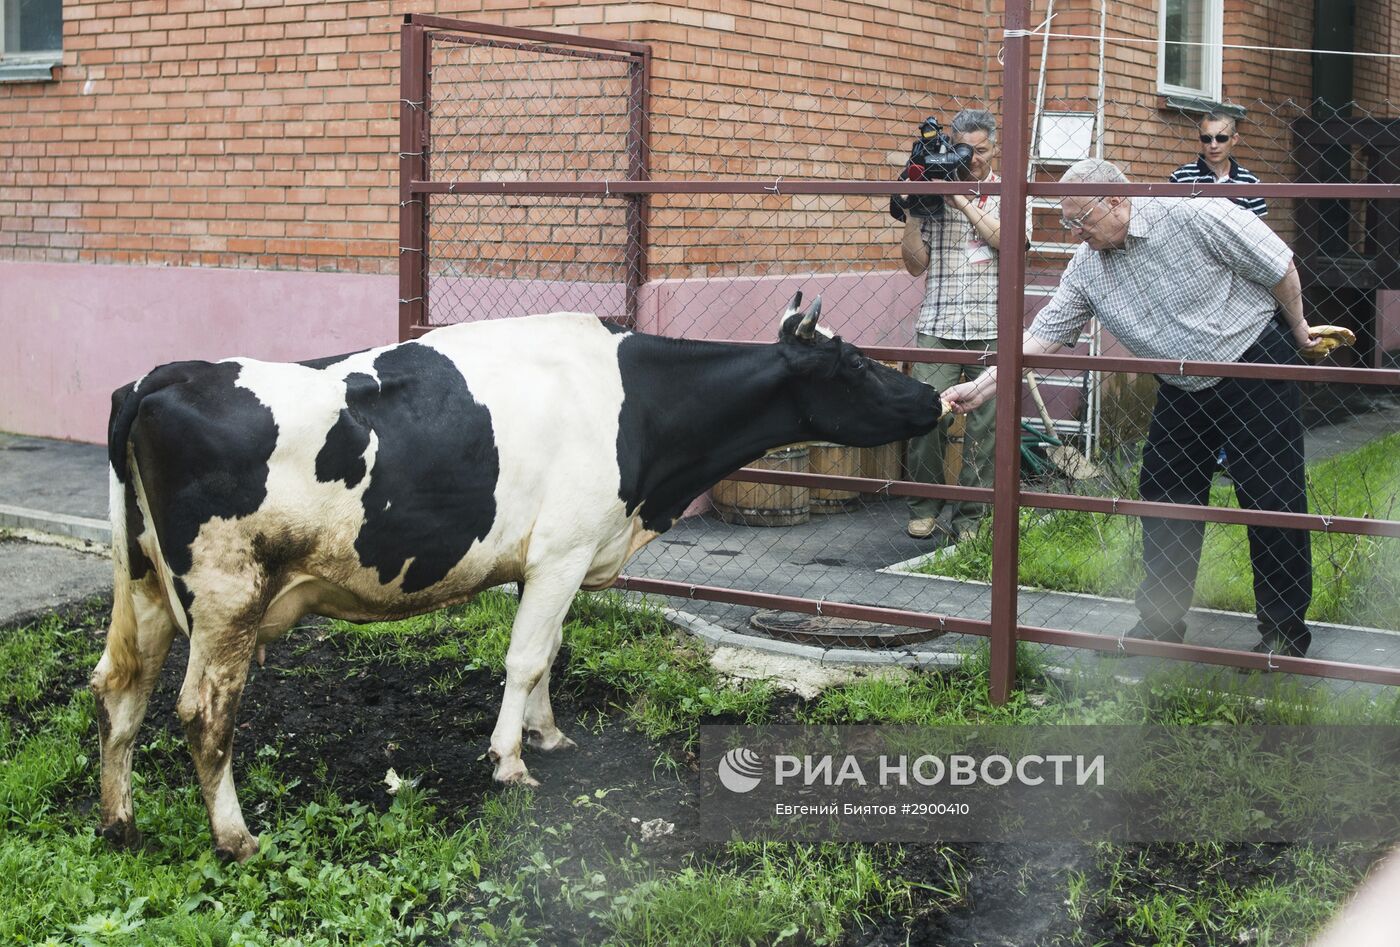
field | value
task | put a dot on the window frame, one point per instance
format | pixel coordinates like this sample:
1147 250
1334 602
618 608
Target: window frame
1211 50
30 56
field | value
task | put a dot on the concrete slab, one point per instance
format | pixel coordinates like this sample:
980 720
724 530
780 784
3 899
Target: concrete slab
63 477
41 577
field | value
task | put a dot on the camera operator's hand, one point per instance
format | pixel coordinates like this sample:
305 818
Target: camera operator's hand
913 250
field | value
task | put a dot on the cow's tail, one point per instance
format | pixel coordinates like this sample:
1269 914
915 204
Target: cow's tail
123 655
123 658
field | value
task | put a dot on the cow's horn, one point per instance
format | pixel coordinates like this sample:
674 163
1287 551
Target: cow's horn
794 305
808 326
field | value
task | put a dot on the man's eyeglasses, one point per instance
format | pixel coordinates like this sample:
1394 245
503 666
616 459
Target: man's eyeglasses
1080 222
1218 139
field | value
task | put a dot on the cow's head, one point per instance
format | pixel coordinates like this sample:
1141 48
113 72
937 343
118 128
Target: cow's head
843 395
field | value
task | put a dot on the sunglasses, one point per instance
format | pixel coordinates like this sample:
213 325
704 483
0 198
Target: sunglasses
1218 139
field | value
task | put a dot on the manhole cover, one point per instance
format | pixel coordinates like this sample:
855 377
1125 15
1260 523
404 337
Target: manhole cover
832 632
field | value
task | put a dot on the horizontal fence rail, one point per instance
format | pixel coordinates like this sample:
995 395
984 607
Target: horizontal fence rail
1053 636
1059 501
779 186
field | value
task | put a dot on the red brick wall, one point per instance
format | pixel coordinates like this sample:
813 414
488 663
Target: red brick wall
263 133
209 133
793 89
1376 81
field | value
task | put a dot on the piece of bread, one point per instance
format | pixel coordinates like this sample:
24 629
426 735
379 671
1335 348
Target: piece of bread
1329 338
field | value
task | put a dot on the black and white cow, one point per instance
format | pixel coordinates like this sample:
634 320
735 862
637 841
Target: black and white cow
544 450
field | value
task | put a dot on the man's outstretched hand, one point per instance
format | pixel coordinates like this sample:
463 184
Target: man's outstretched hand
960 399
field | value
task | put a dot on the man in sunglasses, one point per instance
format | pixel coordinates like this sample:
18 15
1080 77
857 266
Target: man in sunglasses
1194 279
1216 162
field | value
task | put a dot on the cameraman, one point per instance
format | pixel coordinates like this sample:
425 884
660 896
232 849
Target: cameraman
958 251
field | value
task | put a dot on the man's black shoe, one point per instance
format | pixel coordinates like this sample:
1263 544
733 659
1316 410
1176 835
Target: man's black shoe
1278 647
1142 632
1282 647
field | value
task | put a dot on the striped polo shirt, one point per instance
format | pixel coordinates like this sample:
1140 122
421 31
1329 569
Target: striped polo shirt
1198 172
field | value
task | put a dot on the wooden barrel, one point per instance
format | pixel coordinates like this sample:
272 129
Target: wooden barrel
833 460
885 462
953 453
765 504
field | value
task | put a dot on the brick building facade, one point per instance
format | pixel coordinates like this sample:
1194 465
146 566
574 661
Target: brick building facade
219 177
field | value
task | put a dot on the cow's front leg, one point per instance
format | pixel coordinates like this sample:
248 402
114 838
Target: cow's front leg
208 706
540 730
534 640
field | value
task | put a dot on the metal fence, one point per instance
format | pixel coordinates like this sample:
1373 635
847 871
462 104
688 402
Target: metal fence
541 172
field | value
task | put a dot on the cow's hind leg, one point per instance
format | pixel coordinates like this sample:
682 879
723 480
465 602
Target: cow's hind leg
138 641
534 641
208 707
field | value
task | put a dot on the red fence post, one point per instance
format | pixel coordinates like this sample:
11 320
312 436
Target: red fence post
413 231
1006 506
638 169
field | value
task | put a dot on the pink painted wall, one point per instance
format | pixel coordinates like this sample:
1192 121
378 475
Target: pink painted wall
875 308
74 332
867 308
474 298
1387 324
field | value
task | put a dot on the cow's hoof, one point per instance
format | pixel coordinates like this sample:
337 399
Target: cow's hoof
548 743
121 835
513 773
237 851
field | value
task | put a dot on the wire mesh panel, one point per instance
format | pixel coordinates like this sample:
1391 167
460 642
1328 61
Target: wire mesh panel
497 257
719 265
504 110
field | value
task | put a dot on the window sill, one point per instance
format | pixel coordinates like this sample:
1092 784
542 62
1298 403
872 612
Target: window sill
1174 102
28 70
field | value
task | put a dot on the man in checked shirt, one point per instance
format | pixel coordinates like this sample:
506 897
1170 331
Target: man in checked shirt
1196 280
956 253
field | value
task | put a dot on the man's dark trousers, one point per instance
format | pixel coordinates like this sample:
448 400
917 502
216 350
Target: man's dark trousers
1258 422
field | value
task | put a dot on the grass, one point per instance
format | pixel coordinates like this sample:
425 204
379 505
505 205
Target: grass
778 892
335 871
1356 579
1299 893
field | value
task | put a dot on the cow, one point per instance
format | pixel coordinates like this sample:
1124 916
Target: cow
543 450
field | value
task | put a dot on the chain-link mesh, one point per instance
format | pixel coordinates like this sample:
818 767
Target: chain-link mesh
503 111
722 266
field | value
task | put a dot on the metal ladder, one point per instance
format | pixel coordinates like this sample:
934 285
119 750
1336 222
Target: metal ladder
1088 382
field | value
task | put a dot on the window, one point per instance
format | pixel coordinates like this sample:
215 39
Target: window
31 38
1188 48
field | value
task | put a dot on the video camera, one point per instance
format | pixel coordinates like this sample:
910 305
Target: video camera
934 157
